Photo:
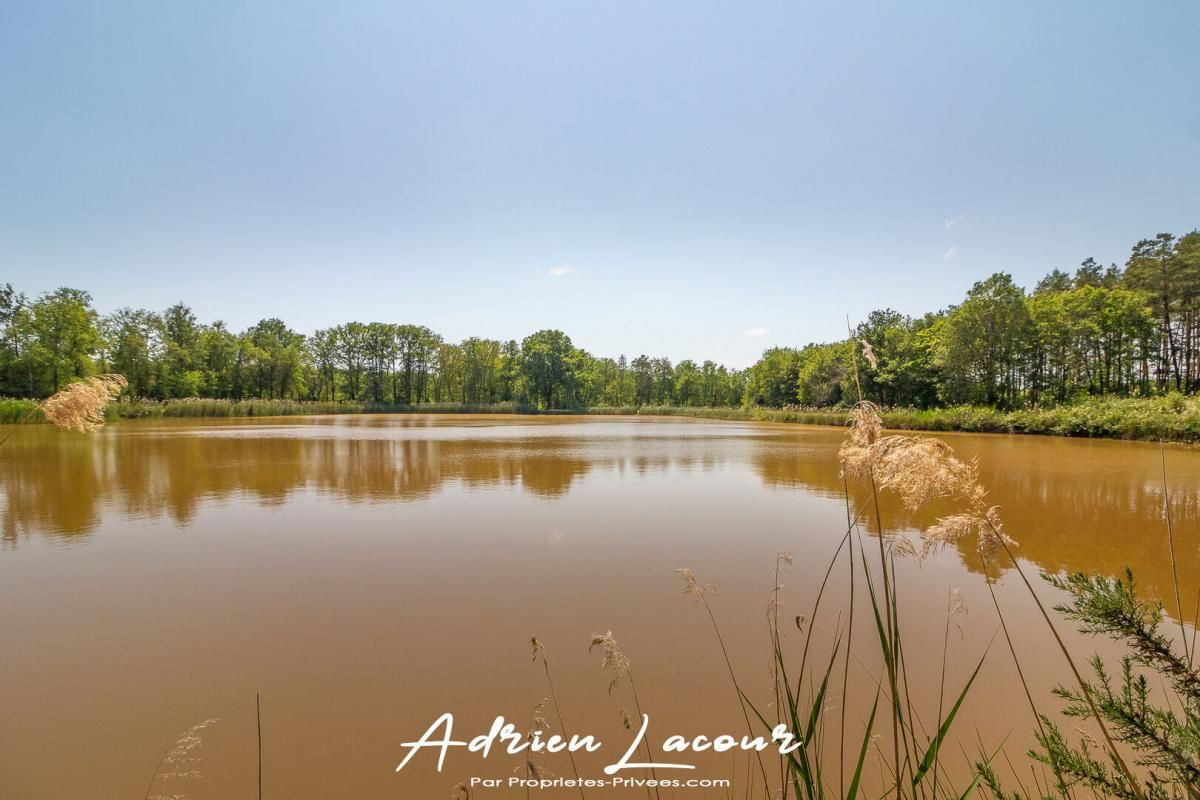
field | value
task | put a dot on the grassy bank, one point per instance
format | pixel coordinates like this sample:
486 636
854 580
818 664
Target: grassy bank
1171 417
12 410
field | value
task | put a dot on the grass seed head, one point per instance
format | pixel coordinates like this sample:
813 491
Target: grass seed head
691 586
865 424
615 662
985 525
181 758
920 470
869 353
537 722
625 720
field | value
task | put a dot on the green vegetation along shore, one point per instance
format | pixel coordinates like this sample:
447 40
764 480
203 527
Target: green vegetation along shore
1171 417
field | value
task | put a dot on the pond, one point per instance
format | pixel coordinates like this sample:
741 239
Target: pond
365 574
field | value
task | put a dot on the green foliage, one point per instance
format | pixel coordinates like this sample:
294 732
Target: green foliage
1171 417
1169 273
1102 332
171 356
824 374
549 367
54 338
1165 739
772 381
14 411
982 344
904 371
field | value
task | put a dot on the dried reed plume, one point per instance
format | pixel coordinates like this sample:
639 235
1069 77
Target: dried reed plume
986 526
539 651
619 667
691 587
537 725
80 406
179 760
615 661
537 722
782 562
919 470
869 353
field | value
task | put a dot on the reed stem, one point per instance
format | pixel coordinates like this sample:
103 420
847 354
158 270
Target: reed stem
1083 687
258 718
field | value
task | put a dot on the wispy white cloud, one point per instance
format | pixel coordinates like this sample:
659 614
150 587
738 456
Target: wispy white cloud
559 271
951 222
757 332
951 253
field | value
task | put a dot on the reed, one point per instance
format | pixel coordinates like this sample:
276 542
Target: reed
804 774
620 668
258 723
537 725
539 652
80 406
179 762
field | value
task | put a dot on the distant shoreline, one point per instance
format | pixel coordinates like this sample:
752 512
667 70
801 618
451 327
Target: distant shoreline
1172 418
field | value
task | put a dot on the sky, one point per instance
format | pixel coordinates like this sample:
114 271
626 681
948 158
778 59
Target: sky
688 179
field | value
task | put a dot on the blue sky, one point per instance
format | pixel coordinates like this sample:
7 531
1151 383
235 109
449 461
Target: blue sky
686 179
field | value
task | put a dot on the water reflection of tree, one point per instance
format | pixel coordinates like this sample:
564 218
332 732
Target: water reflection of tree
58 489
1072 505
61 486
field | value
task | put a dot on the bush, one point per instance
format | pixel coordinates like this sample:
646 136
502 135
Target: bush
14 411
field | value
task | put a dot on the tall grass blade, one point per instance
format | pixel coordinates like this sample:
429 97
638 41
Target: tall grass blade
866 745
935 745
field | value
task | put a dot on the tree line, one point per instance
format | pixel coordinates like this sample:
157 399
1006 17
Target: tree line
58 337
1131 330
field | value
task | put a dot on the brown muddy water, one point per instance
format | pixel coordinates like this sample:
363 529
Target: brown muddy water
366 574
